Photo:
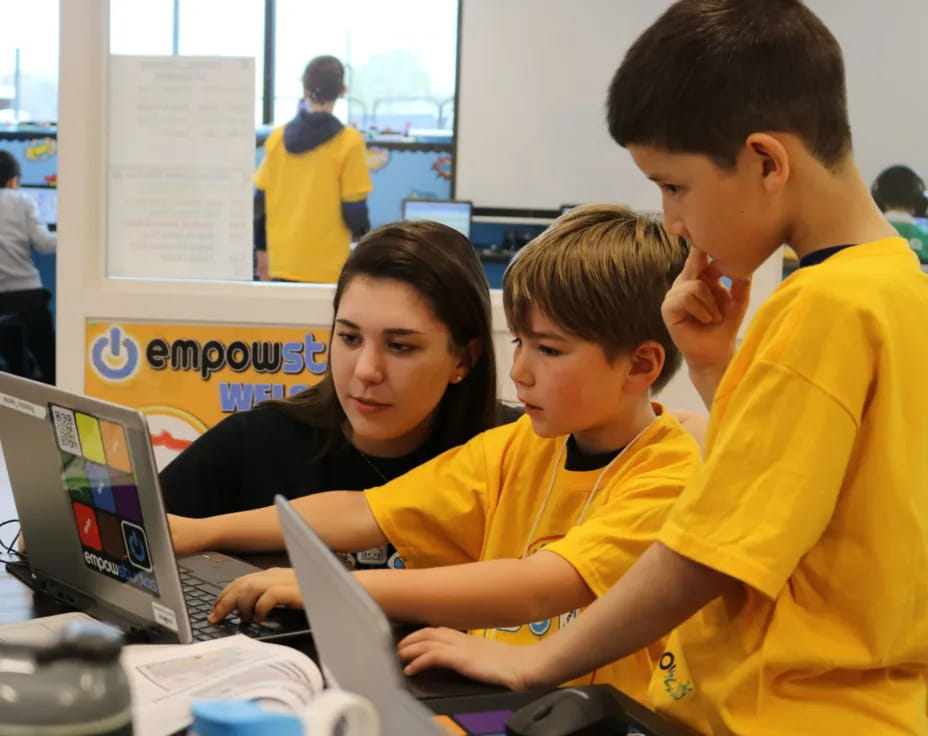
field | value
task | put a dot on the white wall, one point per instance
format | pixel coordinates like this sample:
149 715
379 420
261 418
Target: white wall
531 103
885 58
534 75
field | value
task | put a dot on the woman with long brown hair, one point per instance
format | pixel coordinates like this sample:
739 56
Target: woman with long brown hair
411 373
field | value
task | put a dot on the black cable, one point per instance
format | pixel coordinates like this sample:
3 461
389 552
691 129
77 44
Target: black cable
10 549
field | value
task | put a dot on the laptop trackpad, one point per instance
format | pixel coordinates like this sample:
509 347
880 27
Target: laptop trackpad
216 568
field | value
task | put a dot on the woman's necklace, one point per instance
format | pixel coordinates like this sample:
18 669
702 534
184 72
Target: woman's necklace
370 464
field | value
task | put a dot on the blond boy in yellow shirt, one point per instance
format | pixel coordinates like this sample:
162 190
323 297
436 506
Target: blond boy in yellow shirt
511 534
795 563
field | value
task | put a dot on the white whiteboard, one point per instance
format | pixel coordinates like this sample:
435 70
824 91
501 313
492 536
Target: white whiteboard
531 103
180 161
887 79
534 75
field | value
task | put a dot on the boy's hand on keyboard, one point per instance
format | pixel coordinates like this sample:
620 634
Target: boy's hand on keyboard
189 535
254 595
472 656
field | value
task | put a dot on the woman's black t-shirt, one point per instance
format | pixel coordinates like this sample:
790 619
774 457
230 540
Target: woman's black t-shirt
251 456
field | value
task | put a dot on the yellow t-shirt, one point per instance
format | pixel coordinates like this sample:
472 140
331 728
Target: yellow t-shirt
307 239
481 500
814 493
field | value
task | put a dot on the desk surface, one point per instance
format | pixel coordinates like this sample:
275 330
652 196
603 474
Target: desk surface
18 603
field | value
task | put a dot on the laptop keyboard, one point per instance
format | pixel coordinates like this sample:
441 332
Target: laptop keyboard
200 596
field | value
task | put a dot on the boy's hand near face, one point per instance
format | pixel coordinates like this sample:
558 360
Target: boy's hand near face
703 317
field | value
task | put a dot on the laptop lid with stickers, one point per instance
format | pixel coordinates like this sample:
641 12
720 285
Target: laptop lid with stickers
86 491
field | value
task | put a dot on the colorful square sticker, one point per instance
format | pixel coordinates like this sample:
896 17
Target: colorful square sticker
115 445
100 487
96 471
111 536
136 546
74 474
88 429
127 498
87 528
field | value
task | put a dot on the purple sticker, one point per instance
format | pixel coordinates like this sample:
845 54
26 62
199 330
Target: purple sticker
127 501
483 723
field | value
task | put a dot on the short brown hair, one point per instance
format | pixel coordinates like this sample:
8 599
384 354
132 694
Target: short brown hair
708 73
324 79
600 272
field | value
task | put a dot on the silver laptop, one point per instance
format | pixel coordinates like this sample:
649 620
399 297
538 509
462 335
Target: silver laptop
85 485
352 635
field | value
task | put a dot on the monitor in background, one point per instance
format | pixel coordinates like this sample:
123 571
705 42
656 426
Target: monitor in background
453 213
922 222
47 200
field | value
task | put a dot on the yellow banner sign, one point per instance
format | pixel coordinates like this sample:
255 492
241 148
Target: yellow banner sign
186 378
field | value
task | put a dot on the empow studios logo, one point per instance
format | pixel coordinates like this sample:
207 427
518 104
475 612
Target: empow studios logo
115 355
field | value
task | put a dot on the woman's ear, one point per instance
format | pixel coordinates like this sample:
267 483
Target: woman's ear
467 359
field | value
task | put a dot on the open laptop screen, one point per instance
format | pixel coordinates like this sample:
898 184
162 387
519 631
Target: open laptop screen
454 214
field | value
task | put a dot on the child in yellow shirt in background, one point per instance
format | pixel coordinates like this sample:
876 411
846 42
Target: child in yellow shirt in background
795 563
511 534
312 186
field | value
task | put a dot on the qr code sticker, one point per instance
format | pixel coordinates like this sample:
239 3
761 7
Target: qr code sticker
66 430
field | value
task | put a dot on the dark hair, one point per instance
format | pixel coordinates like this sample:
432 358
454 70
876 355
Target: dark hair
443 267
600 272
324 79
900 187
708 73
9 167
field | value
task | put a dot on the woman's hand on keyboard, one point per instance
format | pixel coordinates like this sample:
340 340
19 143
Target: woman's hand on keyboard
254 595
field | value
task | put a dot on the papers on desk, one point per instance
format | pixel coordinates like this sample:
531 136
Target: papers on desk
39 631
165 679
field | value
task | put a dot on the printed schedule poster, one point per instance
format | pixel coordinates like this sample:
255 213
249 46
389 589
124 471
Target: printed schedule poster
181 160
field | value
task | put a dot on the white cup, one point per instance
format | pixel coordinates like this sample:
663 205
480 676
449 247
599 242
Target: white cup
333 707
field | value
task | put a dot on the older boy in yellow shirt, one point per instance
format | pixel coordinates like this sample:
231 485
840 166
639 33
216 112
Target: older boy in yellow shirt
512 533
796 562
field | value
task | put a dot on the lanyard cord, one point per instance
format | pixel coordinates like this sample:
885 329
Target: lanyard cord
590 495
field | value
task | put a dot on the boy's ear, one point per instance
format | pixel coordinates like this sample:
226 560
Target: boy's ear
646 364
772 159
